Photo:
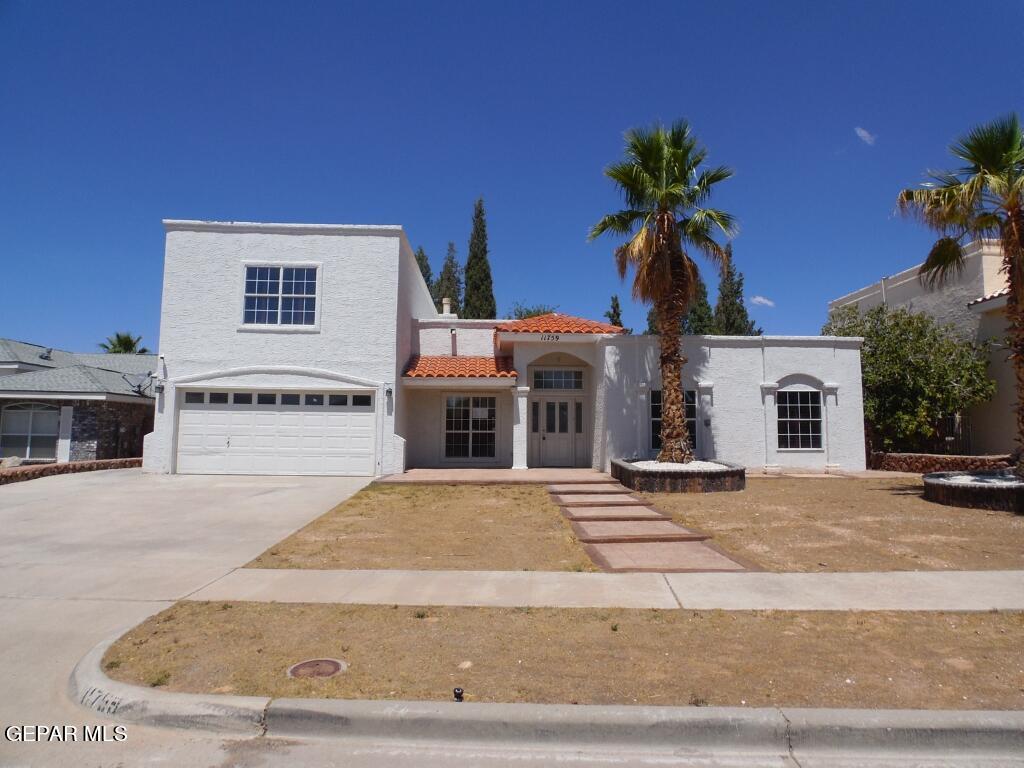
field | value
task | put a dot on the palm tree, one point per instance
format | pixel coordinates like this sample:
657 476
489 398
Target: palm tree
123 344
983 198
665 192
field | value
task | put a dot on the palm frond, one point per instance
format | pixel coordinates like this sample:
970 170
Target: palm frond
945 261
991 146
619 223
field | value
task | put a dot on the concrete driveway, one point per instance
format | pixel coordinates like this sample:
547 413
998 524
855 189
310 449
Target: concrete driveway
88 555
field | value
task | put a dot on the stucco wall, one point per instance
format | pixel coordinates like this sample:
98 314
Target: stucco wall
947 304
992 423
734 378
201 327
472 338
426 426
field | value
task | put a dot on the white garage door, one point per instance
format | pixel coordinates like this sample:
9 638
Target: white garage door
276 433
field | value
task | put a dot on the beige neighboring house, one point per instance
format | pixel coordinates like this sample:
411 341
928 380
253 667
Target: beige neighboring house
975 303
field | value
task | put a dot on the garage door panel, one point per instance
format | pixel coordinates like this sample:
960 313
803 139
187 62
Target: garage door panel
289 440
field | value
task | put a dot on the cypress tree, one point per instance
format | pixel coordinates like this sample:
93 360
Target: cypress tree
614 314
699 319
479 303
449 282
652 322
424 264
731 318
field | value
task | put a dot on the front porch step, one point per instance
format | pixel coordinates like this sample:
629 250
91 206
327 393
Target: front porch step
596 500
573 488
612 514
622 532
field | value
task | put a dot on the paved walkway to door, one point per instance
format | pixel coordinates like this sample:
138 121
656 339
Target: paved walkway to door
894 591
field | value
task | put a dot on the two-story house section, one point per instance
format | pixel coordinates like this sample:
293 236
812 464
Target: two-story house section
317 349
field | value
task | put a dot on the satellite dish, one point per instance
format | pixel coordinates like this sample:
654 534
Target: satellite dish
139 382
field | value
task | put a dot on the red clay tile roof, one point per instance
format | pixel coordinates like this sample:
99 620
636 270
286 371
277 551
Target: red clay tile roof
444 366
988 297
556 323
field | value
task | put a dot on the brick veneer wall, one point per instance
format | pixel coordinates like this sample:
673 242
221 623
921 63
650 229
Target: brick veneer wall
32 471
108 430
923 463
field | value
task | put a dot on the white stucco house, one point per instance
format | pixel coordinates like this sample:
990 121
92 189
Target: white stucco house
317 349
974 303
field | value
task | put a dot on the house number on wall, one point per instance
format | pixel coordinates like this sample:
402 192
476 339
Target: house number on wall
549 337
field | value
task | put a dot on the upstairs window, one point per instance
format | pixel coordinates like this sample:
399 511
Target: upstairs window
280 296
553 378
799 419
690 403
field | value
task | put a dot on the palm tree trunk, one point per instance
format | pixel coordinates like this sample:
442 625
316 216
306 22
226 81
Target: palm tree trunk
675 444
1013 263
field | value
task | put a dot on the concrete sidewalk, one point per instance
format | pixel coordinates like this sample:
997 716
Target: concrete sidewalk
894 591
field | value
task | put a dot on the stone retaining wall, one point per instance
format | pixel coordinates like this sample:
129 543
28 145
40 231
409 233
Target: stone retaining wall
923 463
732 478
1007 498
32 471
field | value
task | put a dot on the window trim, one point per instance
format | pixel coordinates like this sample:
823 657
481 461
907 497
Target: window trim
496 458
820 420
244 327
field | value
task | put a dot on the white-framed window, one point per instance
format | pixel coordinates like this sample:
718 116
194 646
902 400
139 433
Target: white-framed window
690 402
29 431
279 295
799 414
557 378
470 426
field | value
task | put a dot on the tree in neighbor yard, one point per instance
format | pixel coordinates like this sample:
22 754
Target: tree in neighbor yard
449 282
123 344
614 314
699 320
916 373
479 301
665 190
731 317
983 198
522 311
424 264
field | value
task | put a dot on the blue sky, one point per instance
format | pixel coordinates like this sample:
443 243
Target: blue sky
114 115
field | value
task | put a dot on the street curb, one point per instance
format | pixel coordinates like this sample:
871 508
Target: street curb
90 687
679 729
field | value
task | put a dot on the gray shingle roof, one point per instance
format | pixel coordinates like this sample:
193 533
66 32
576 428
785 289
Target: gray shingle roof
72 379
12 351
67 372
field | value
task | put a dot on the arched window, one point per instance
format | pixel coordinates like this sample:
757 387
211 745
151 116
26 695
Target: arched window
29 431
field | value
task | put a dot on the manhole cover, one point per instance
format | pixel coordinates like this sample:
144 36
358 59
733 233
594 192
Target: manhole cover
317 668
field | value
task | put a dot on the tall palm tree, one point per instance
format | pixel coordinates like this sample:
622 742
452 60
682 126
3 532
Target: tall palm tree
123 344
665 191
982 198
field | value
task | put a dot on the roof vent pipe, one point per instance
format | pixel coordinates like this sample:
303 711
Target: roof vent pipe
47 355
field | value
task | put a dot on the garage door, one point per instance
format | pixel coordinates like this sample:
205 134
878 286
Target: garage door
276 433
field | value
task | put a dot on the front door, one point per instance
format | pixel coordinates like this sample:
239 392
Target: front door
556 434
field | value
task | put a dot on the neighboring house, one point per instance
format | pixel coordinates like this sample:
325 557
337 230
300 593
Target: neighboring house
316 349
61 406
974 303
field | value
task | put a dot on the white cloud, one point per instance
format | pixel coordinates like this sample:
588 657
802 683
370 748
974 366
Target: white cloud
762 301
865 135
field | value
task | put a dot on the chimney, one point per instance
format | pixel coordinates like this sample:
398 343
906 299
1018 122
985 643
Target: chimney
446 306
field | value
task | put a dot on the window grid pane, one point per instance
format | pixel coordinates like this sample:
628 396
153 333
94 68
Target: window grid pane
799 419
557 379
470 427
271 300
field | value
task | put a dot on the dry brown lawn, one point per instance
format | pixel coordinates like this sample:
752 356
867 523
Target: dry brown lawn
436 527
813 659
846 524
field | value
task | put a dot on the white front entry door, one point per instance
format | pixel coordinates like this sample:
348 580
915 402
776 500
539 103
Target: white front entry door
556 432
262 433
